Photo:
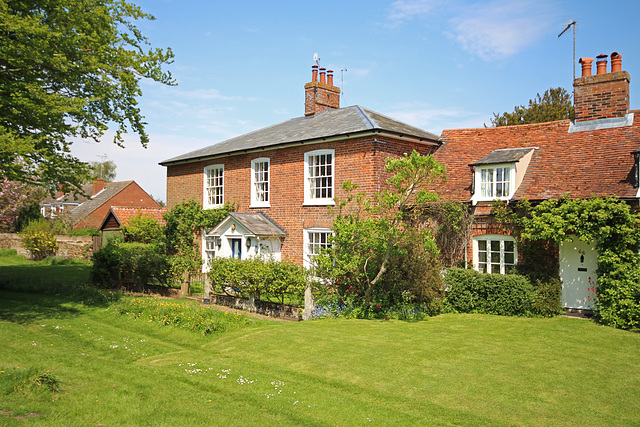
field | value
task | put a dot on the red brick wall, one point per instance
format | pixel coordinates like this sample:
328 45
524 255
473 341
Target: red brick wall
601 96
132 195
360 160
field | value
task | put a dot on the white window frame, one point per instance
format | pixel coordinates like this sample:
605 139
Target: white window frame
501 266
309 195
209 249
255 183
482 187
219 199
308 241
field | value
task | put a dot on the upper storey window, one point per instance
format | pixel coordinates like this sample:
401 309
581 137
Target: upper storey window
213 186
260 182
499 174
319 177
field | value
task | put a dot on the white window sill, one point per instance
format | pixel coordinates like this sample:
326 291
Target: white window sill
319 202
212 206
259 205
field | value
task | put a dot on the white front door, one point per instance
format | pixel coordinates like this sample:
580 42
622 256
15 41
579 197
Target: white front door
578 264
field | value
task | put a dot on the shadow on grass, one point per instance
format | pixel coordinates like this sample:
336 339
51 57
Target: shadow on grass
23 308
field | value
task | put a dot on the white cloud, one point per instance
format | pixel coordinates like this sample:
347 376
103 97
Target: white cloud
432 119
501 28
403 10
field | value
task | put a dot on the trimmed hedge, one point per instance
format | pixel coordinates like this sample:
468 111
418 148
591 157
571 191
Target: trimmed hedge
136 264
258 277
469 291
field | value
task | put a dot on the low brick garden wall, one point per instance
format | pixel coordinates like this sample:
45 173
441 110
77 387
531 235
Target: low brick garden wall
282 311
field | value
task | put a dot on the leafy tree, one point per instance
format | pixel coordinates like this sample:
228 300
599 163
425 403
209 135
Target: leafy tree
369 235
105 170
15 199
69 69
142 229
184 222
555 104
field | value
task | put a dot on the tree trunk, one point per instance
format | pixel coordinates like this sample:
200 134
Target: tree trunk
185 288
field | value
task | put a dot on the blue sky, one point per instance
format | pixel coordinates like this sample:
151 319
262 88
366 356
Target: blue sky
436 64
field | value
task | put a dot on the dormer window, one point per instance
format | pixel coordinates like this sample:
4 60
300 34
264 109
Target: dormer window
495 182
498 175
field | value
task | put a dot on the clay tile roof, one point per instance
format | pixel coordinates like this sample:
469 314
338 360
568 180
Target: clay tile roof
582 164
124 213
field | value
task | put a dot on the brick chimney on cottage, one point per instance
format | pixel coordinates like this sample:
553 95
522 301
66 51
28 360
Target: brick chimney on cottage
320 95
98 186
605 95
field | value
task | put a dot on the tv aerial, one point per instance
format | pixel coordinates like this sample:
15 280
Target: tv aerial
569 25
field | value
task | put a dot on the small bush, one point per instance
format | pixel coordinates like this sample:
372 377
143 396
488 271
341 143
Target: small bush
143 229
38 240
136 264
469 291
618 302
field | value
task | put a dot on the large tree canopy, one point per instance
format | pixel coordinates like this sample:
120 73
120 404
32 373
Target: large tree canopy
555 104
69 69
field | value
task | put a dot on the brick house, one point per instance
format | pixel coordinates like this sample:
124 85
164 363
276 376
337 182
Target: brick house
286 175
596 154
86 212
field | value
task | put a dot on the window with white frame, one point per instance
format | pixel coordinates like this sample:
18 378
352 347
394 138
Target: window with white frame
213 186
494 254
318 177
315 240
495 182
209 246
260 182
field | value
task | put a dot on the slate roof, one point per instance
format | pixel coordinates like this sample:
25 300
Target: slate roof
122 214
110 190
579 164
70 197
504 155
258 224
341 122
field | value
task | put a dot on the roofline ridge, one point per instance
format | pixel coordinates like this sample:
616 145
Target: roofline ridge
368 120
512 127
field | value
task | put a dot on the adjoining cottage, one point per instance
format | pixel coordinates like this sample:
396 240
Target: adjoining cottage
596 154
286 175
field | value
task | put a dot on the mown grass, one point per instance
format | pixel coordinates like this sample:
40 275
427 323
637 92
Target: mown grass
73 355
450 370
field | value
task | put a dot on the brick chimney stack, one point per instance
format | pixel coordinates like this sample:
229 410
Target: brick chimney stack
98 186
604 95
320 95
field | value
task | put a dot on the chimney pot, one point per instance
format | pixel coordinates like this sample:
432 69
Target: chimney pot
330 77
586 66
601 63
314 73
616 62
323 75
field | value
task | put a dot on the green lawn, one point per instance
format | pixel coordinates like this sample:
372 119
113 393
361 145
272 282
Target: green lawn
448 370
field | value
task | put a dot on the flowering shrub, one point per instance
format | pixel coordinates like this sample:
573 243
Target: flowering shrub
38 240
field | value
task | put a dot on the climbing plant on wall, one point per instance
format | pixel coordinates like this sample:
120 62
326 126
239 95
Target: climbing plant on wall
614 228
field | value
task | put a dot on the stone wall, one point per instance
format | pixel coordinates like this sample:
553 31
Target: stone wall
68 246
281 311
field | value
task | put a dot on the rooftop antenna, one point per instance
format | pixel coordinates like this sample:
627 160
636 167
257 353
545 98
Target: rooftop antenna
342 84
316 58
572 23
102 158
